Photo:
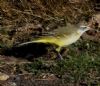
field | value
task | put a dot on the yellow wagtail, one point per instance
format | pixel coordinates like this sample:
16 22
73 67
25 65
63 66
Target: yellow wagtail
63 36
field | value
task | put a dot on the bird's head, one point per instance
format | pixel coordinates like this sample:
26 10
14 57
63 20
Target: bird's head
83 29
91 25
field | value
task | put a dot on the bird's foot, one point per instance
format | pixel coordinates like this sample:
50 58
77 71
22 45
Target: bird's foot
59 56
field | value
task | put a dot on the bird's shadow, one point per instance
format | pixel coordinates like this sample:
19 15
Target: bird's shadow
29 51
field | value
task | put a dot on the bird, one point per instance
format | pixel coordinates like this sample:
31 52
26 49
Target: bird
62 37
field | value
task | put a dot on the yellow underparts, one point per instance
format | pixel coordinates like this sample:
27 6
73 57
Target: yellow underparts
52 40
59 41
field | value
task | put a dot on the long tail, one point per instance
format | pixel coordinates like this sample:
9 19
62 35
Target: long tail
41 40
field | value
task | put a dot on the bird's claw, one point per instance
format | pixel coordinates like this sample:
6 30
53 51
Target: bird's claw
59 56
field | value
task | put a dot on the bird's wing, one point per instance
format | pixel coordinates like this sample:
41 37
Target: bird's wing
57 31
53 35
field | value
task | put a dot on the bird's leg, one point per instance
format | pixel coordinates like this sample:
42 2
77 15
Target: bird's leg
59 56
57 51
63 51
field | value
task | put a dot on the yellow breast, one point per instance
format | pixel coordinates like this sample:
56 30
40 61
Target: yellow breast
61 40
71 39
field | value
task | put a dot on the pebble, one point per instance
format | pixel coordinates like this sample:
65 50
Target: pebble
3 76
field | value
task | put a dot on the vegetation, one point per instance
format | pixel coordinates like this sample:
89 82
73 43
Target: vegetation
23 20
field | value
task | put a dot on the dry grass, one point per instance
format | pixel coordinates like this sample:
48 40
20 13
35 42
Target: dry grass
24 14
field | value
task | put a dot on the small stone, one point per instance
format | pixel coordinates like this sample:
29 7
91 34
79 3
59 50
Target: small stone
13 84
3 76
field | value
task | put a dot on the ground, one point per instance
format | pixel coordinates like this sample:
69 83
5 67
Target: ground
22 20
